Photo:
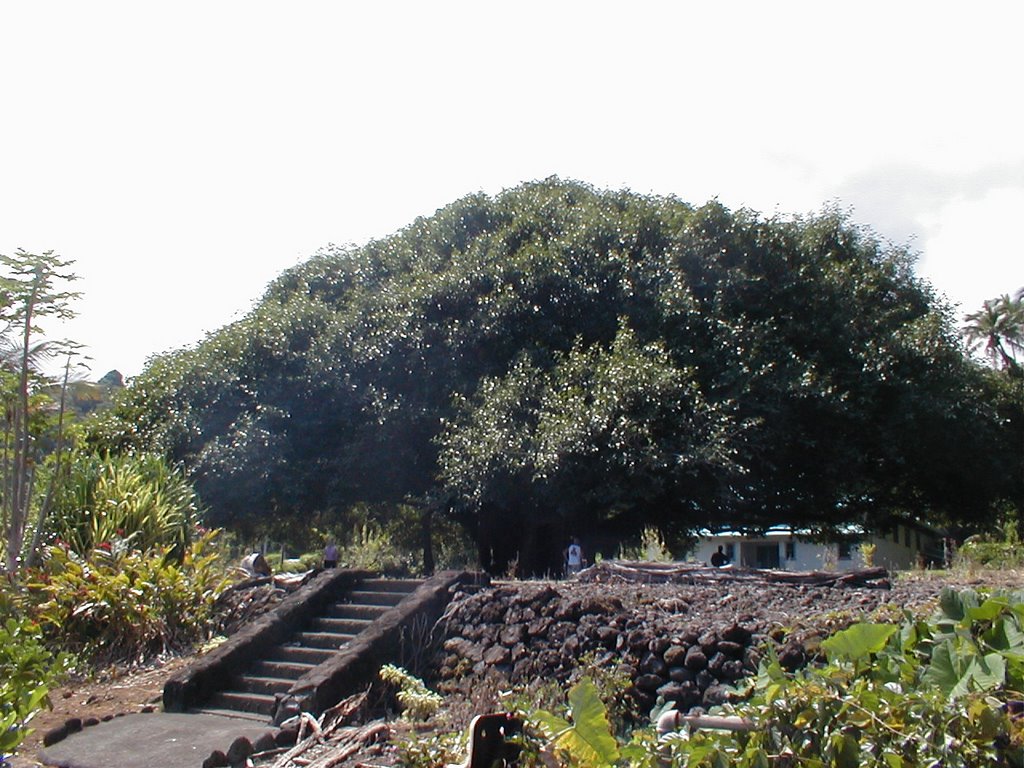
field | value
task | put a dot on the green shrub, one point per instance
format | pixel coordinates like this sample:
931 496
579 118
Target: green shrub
418 702
138 499
292 564
432 750
910 695
1002 550
371 548
27 671
649 548
982 552
122 604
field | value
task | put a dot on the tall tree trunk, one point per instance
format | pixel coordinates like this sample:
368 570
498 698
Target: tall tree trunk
527 564
8 475
19 494
427 532
44 508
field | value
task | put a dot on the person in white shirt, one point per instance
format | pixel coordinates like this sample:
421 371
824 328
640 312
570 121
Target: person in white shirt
573 557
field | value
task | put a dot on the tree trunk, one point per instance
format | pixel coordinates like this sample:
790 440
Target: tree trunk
427 531
20 495
527 564
44 508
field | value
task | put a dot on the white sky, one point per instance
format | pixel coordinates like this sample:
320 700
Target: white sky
185 153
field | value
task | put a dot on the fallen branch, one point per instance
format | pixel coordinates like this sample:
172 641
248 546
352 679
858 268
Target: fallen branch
348 748
683 573
302 744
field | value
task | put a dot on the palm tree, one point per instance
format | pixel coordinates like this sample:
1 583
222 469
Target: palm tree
998 328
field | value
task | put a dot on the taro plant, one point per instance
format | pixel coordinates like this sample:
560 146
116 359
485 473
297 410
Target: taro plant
583 738
922 694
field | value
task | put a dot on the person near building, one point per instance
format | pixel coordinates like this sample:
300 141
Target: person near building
573 557
718 559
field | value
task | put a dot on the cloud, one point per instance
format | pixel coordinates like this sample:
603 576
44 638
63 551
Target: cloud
902 201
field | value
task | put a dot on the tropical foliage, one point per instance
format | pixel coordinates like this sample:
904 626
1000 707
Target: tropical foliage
27 672
943 691
137 499
998 330
416 700
558 359
123 604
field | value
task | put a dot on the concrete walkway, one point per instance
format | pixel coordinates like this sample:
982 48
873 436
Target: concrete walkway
155 740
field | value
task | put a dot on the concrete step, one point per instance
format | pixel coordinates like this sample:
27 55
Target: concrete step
260 684
238 714
329 640
350 611
260 703
369 597
341 625
296 653
290 670
405 586
252 694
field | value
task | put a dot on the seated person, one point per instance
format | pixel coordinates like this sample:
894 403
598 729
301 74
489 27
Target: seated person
719 559
255 565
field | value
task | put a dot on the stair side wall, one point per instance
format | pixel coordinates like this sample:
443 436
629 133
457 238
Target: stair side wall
195 685
358 663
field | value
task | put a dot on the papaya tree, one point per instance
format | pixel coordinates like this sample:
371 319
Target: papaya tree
33 288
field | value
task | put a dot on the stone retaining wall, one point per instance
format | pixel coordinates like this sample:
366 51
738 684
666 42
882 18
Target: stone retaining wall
670 648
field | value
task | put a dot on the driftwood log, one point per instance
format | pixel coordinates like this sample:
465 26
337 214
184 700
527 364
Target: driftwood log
625 571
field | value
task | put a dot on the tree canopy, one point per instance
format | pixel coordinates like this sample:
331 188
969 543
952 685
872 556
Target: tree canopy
559 359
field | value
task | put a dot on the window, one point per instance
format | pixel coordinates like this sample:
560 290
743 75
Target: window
906 536
791 550
730 553
845 550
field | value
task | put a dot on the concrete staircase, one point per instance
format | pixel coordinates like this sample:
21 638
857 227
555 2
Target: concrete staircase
272 675
323 642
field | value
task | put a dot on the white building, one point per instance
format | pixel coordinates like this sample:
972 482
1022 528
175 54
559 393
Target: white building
906 546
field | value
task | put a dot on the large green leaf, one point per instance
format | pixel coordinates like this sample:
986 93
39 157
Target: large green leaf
588 740
954 604
957 672
988 610
988 672
591 733
858 641
943 671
